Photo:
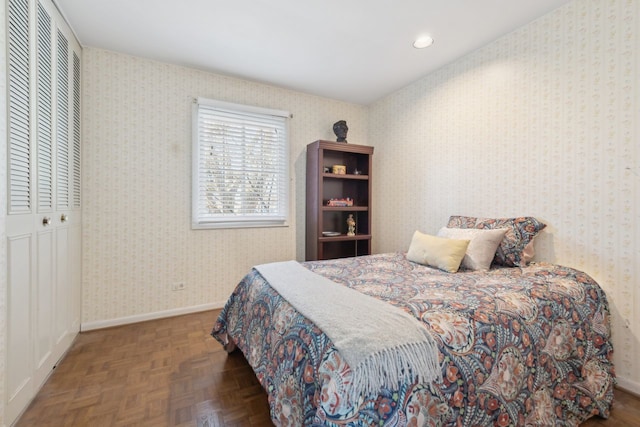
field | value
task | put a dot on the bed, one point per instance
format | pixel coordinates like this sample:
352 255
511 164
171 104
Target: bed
525 344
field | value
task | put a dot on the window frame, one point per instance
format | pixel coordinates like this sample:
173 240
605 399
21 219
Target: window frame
279 219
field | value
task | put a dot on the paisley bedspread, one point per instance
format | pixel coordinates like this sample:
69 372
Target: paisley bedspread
518 346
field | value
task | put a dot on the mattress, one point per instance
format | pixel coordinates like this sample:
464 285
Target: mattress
517 346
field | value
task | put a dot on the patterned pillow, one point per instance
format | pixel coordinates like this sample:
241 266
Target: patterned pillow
516 248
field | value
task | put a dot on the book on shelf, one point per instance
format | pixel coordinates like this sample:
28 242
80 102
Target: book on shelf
347 202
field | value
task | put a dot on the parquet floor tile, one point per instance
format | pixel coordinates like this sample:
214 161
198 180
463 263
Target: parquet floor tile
166 372
170 372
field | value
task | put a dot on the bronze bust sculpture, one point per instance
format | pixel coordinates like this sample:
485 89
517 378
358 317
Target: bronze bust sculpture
340 129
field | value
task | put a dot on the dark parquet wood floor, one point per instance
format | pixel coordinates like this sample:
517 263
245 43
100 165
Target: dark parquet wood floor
170 372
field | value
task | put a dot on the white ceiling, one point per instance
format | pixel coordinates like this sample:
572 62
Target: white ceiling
352 50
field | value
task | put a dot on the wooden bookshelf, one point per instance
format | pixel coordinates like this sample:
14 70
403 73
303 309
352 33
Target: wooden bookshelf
324 185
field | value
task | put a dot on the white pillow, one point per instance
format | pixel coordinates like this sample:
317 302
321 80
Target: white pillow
438 252
482 246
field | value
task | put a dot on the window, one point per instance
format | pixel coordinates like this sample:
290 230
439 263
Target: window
240 166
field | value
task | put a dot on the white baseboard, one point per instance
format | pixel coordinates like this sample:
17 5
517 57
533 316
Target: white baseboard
628 385
100 324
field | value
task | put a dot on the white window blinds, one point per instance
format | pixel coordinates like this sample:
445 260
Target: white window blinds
240 166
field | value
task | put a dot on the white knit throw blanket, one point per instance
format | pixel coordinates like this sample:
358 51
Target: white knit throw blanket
383 345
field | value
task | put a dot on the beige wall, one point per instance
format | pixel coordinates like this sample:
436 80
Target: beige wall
541 122
137 236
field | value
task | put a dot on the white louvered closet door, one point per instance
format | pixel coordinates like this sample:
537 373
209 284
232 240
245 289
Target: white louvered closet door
44 217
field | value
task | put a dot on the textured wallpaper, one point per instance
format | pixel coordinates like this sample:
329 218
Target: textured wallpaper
541 122
137 237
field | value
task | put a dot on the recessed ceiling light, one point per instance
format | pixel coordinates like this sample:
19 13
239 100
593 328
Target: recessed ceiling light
422 42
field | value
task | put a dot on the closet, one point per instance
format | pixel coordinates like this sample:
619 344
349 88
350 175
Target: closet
44 196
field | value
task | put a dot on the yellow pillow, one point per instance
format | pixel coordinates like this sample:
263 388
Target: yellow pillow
445 254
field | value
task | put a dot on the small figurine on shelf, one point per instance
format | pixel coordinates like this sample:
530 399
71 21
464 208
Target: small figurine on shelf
351 224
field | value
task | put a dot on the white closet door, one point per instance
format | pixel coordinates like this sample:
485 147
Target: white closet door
44 216
21 242
45 234
67 142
